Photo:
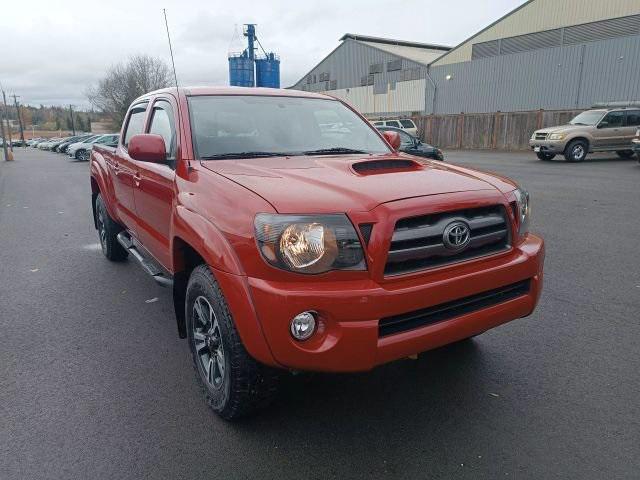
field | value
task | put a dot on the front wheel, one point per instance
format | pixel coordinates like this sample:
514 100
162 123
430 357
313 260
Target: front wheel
233 382
545 156
625 153
576 151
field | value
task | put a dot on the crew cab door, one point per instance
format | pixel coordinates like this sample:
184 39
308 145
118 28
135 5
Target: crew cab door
122 167
154 184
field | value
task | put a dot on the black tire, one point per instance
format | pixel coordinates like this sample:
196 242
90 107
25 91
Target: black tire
108 230
576 151
242 385
625 153
545 156
82 155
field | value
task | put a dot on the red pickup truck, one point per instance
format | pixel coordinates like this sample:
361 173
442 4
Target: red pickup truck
295 236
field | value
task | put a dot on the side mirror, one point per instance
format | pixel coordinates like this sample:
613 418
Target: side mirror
147 147
393 138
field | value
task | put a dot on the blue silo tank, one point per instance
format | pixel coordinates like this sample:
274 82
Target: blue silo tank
268 71
241 71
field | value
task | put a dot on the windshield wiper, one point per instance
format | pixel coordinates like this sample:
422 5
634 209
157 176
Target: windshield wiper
323 151
221 156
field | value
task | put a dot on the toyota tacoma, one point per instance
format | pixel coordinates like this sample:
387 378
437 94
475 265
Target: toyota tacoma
295 236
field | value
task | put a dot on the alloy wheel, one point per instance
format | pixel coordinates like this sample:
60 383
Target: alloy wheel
207 343
102 231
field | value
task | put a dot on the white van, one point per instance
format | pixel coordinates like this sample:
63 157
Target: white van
403 123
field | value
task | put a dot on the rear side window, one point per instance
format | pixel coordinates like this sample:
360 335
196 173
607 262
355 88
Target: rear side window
393 123
135 123
633 118
408 124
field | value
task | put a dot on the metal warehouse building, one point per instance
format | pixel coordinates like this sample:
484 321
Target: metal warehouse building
546 55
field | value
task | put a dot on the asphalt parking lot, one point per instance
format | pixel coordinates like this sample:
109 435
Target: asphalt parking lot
95 383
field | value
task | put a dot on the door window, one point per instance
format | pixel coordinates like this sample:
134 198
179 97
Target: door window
393 123
135 123
408 124
405 140
633 118
162 123
612 120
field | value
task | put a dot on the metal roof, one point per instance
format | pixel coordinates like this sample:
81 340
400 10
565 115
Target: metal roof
392 41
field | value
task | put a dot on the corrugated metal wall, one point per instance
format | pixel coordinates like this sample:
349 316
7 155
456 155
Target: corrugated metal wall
542 15
574 76
392 92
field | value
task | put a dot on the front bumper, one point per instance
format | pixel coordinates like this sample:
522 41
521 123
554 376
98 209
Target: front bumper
548 146
349 312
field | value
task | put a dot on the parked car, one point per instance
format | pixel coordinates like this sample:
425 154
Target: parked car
413 146
53 146
31 141
636 144
46 145
35 141
598 130
288 248
82 150
403 123
62 147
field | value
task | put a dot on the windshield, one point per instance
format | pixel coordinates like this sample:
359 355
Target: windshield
243 126
587 118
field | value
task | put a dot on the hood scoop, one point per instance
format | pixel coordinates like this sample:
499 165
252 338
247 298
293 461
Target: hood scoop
371 167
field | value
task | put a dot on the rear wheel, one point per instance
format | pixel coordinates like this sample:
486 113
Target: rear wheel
576 151
233 382
625 153
82 155
545 156
108 230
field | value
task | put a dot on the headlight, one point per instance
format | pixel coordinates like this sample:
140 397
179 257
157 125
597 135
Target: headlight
309 243
557 136
523 206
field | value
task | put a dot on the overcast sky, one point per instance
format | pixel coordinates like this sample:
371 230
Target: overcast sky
51 51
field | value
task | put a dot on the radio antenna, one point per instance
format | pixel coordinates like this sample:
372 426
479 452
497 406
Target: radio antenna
166 24
175 77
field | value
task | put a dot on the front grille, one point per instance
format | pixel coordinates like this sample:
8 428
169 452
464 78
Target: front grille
541 136
447 311
418 243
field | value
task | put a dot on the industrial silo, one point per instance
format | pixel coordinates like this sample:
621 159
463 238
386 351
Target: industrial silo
241 70
268 71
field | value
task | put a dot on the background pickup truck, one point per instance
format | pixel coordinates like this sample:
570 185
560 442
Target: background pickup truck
295 236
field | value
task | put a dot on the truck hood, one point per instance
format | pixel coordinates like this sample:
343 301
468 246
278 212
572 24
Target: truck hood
562 129
329 184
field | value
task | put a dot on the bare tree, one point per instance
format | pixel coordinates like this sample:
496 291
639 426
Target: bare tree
126 81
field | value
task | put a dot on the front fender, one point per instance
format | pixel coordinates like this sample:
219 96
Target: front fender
212 246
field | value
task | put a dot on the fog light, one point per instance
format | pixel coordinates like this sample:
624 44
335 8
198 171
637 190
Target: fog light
303 325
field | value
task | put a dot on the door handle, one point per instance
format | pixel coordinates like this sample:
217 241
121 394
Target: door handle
137 178
116 169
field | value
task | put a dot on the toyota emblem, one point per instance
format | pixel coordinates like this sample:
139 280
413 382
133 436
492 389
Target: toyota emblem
456 236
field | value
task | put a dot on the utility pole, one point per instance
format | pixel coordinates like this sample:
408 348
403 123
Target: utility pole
15 101
4 142
4 99
73 127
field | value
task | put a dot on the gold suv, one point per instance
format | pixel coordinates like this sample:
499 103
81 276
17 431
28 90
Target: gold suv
599 130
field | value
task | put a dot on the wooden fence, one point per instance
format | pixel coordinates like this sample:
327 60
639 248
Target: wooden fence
500 130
